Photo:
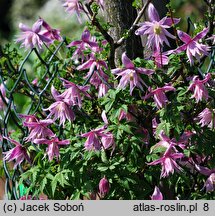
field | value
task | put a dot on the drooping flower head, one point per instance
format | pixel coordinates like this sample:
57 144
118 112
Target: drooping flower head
191 45
61 109
210 173
168 161
53 146
73 92
130 74
103 89
18 153
207 118
98 138
198 87
160 59
96 72
156 29
32 37
85 43
37 128
49 32
159 95
73 6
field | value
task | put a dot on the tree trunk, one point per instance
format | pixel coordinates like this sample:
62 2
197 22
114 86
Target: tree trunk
120 14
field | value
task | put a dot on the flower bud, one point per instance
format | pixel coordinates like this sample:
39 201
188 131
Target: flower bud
104 186
157 195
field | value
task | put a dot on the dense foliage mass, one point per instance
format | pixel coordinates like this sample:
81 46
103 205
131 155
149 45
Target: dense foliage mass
76 126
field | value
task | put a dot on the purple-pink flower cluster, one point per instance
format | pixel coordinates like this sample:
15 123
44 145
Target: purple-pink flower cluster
36 36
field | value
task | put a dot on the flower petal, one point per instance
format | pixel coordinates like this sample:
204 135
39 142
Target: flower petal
126 61
184 36
152 13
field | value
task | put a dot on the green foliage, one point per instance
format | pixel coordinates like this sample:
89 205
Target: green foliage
142 131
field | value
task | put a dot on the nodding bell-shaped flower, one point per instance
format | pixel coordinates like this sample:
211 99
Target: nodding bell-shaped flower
32 37
73 6
159 95
206 117
53 146
49 32
18 153
199 89
37 128
61 108
104 186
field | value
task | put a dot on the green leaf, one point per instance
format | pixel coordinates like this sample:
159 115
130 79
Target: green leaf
102 169
125 128
112 167
76 195
104 157
163 126
43 184
59 178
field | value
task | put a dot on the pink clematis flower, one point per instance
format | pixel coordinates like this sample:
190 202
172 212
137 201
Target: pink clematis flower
96 70
61 108
168 162
73 6
210 182
73 92
130 74
32 37
103 89
104 186
192 47
159 95
206 117
123 114
160 59
156 29
52 34
157 195
53 146
97 139
38 128
166 142
4 99
199 89
18 153
28 119
85 43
